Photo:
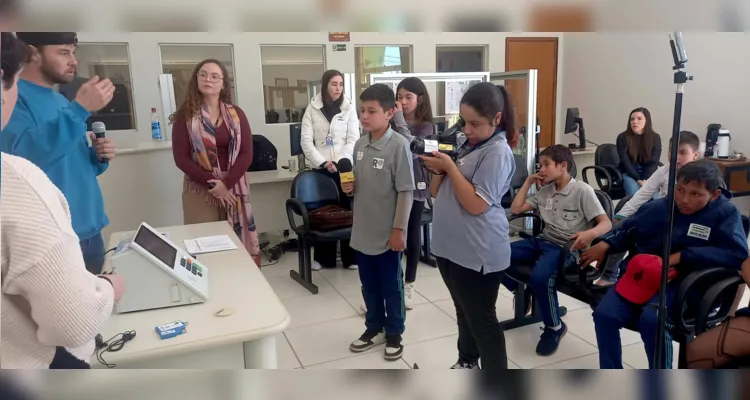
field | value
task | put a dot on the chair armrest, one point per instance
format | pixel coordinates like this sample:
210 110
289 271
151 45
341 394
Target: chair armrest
538 223
604 187
294 206
696 280
710 299
583 276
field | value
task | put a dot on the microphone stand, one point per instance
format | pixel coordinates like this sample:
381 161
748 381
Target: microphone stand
680 78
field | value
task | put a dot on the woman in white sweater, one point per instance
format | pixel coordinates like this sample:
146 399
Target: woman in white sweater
330 127
52 307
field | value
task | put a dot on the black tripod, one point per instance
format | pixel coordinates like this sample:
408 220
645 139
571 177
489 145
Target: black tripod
680 78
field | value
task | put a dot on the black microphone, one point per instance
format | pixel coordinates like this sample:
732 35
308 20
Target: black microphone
100 131
345 170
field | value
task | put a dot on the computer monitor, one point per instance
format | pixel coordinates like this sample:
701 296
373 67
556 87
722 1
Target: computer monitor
573 123
295 139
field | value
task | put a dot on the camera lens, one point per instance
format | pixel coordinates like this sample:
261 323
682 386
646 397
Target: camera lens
417 146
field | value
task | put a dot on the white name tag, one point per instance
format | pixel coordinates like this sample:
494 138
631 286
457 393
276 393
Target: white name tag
430 146
329 141
360 155
421 186
378 163
549 204
461 161
699 231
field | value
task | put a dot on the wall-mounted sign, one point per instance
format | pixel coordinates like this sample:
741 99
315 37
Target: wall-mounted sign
339 47
338 36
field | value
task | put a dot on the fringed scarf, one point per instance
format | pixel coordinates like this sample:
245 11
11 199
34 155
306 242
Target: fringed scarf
203 139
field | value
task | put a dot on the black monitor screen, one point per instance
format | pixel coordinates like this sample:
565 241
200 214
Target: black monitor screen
155 244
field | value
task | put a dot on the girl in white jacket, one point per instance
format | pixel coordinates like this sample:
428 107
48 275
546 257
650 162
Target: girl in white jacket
330 127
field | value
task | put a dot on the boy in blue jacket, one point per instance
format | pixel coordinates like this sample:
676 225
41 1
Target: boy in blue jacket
707 232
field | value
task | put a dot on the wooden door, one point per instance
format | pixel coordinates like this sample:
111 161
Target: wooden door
539 54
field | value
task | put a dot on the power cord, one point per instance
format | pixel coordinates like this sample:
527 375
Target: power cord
587 141
114 344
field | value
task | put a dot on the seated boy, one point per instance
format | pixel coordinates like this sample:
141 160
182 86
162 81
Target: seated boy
382 190
568 208
655 187
706 232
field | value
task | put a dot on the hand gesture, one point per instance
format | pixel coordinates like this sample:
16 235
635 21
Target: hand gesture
399 107
95 94
438 162
640 183
118 285
594 254
331 167
397 241
582 240
104 147
535 179
348 188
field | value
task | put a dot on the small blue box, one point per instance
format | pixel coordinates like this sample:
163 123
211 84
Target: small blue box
171 329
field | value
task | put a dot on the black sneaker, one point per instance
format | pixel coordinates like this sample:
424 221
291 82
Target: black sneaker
465 365
368 340
527 295
393 348
550 340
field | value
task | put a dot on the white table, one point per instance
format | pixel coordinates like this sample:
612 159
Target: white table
269 191
244 339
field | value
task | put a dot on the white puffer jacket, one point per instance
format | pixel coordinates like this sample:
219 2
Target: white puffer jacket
343 129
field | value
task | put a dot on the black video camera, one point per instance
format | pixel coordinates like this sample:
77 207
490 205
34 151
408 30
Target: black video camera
445 142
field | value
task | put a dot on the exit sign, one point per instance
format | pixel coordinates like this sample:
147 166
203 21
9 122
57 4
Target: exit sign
339 47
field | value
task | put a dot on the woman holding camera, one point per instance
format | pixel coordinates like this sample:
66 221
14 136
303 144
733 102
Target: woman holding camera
470 229
330 127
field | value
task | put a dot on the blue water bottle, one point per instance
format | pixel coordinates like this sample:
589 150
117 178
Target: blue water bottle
155 125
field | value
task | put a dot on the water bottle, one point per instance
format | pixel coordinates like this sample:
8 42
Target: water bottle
155 125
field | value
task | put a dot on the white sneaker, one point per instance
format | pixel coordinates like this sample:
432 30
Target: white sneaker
367 341
316 266
353 267
408 295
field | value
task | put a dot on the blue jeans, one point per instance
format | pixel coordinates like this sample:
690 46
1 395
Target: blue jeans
544 255
383 291
93 253
614 313
630 185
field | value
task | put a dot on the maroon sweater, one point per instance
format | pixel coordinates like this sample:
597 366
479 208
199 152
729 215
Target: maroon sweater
182 149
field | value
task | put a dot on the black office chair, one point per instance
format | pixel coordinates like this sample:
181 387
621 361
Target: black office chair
571 279
606 171
622 202
518 179
426 254
311 190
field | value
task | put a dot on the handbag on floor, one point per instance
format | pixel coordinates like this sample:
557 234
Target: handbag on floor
331 217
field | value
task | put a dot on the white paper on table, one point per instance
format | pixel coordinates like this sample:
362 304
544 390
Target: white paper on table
209 244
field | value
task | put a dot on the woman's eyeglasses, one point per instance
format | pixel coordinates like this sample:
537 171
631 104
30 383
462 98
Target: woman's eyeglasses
213 78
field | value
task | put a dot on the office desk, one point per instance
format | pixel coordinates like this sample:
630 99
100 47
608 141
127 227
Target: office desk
244 339
269 191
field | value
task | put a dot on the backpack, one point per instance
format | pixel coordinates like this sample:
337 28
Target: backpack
264 154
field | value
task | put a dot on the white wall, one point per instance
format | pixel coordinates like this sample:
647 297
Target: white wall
608 75
134 188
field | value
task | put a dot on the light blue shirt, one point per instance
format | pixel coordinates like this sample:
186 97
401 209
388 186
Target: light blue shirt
477 242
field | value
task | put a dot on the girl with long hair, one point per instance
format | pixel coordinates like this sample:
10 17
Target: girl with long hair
639 148
213 146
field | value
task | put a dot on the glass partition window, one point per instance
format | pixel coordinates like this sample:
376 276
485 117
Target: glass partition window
291 77
455 59
180 60
108 61
379 60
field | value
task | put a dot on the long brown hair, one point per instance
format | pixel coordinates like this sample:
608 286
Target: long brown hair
489 99
640 146
423 112
193 101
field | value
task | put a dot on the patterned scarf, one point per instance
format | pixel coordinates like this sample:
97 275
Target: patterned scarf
203 139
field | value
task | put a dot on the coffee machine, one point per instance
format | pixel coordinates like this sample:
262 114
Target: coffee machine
712 139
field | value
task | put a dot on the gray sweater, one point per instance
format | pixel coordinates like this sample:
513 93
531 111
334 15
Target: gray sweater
420 130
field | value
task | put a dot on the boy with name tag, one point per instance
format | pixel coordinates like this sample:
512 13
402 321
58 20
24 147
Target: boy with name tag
706 232
570 210
382 191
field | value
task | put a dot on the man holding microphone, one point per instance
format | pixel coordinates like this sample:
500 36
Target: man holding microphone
50 131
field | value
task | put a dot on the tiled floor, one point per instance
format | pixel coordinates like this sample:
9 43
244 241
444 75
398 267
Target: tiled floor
323 325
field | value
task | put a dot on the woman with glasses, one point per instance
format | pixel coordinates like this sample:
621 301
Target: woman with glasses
213 146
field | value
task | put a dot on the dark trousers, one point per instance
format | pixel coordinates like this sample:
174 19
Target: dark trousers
614 312
480 335
325 252
93 253
544 255
414 240
383 291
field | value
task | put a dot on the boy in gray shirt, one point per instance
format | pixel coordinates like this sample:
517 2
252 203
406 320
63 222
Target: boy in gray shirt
569 210
382 190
